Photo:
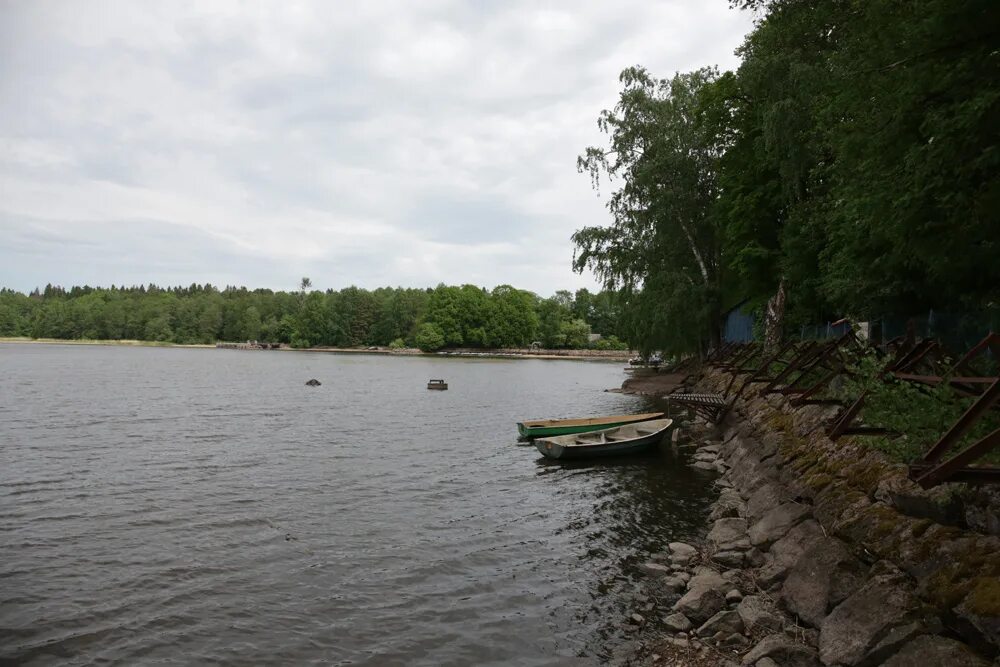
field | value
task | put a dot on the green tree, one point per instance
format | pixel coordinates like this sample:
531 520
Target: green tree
512 318
250 324
576 334
444 311
662 250
429 337
551 317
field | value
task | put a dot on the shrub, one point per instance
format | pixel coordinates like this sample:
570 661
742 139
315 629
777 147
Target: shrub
429 337
609 343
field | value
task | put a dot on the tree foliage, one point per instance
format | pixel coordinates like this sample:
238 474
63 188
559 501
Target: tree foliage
662 249
463 315
854 154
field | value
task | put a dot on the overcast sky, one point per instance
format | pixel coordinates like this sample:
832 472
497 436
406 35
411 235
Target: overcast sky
367 143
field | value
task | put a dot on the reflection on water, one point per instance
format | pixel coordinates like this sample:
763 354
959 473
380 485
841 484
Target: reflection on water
206 506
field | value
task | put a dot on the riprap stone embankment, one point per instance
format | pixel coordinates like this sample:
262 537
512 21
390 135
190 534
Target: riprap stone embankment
822 554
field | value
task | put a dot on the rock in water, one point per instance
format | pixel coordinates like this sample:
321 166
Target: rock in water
314 383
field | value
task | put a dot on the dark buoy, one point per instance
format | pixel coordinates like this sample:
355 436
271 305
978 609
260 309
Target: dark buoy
314 383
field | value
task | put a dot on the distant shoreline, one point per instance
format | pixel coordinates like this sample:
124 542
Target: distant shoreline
122 343
574 355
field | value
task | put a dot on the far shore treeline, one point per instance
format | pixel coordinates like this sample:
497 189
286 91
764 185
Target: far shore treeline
431 319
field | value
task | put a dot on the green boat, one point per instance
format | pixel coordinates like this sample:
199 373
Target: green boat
541 428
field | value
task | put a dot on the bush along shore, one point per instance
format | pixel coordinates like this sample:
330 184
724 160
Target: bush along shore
819 554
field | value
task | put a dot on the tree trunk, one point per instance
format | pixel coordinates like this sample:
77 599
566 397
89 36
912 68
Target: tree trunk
774 319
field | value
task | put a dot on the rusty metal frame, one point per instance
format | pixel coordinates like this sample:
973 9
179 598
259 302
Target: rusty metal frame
818 360
738 357
930 470
844 423
837 367
802 355
909 360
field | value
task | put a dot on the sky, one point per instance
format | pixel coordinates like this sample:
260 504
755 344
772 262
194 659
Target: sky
369 143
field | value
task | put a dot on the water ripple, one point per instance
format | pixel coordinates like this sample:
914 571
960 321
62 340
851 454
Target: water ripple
158 503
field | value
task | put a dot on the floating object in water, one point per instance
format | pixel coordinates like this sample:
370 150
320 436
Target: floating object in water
437 384
619 441
314 383
544 427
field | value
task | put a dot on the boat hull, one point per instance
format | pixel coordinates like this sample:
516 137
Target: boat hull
527 431
557 448
555 451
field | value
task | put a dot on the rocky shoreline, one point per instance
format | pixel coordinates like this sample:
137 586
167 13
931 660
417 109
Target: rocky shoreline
811 559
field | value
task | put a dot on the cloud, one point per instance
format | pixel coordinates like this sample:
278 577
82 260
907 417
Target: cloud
389 143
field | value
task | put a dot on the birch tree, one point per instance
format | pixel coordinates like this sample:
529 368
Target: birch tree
661 250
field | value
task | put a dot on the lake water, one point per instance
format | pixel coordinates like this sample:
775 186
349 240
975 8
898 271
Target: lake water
205 506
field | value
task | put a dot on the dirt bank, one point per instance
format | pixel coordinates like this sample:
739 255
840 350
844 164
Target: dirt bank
659 384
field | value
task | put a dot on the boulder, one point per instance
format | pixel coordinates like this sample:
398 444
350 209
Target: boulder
313 383
785 552
706 577
734 596
856 625
769 445
894 640
764 498
734 640
673 583
776 522
977 613
703 465
730 558
677 622
729 504
705 456
654 569
931 651
729 535
681 554
705 596
823 577
784 651
756 612
681 551
766 662
748 475
726 622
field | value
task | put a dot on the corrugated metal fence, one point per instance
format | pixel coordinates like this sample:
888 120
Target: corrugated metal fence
956 331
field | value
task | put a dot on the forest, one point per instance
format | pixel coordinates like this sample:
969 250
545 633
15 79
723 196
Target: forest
852 157
431 319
